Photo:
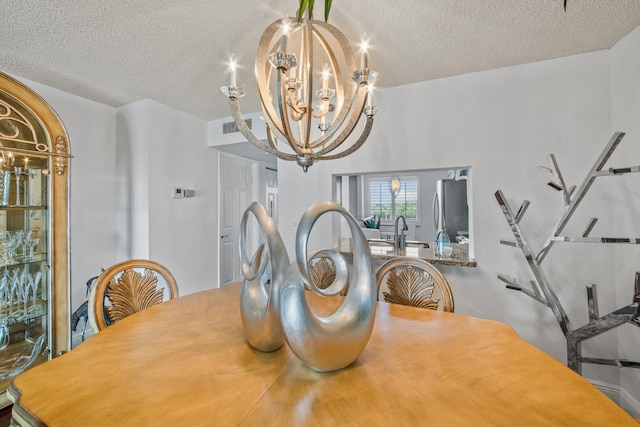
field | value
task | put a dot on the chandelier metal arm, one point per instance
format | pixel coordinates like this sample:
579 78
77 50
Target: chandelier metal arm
278 153
363 137
347 128
307 40
262 76
324 110
344 103
244 129
297 112
296 145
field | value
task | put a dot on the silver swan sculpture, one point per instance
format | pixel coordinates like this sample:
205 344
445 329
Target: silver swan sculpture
263 278
325 344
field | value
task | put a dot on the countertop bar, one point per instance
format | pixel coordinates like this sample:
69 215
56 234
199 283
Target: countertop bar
384 251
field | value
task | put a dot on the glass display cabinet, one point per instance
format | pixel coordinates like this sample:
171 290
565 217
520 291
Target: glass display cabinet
34 261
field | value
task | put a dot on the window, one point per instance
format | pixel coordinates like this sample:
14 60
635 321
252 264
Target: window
406 203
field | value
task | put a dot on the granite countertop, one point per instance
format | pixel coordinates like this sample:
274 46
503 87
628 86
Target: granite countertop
382 250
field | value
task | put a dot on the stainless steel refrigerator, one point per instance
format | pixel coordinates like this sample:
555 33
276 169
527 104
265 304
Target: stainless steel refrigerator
450 207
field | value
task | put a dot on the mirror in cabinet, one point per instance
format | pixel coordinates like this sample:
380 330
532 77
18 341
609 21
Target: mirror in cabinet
34 284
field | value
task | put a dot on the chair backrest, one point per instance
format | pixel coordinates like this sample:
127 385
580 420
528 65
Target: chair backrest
415 282
322 272
128 287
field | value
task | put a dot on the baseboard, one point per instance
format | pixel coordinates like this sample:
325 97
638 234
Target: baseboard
619 395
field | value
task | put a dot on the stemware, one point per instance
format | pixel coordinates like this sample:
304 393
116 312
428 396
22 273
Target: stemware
24 291
18 236
17 287
4 290
18 172
14 289
9 242
30 241
31 200
7 160
33 284
4 333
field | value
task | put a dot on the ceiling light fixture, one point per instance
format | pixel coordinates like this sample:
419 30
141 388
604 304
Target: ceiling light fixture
313 123
394 185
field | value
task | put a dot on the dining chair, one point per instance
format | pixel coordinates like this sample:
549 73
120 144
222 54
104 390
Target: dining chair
414 282
322 272
128 287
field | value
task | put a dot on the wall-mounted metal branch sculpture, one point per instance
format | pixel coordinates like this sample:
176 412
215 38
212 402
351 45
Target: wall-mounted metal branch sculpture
541 289
596 326
273 304
574 200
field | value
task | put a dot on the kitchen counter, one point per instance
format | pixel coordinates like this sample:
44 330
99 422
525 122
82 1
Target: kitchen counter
384 250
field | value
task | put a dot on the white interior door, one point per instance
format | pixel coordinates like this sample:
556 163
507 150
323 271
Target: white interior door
236 184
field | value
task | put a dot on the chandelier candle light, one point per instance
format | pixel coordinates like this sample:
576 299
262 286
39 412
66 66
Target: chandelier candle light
314 124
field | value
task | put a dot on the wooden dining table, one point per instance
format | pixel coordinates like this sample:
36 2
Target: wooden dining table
185 362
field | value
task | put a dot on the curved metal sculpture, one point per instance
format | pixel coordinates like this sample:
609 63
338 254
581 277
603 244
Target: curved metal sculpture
259 300
325 344
333 342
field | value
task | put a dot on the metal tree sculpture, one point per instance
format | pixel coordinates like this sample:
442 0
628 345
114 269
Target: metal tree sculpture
541 289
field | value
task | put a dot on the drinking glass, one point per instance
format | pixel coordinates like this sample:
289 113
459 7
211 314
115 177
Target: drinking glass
31 240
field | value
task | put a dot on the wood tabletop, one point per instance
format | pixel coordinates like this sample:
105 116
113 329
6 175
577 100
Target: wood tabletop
186 363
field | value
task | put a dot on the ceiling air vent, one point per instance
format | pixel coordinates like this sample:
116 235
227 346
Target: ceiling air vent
232 127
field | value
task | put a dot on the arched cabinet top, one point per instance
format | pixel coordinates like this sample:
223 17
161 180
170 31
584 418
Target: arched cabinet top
29 126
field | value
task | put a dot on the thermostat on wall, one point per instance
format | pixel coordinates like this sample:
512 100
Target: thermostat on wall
179 193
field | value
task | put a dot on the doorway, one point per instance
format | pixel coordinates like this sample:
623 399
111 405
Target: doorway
236 192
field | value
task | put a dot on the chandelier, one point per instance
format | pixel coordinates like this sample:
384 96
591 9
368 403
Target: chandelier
311 91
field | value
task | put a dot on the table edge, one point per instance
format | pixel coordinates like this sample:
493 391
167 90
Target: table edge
19 413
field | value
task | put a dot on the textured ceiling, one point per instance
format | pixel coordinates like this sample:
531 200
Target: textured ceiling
175 52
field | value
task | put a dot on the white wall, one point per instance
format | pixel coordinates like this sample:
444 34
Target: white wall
132 171
502 123
171 151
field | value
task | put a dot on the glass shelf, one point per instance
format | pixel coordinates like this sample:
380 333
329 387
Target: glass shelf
24 262
14 314
23 208
21 261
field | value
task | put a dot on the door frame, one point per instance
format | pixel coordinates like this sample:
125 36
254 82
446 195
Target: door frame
254 190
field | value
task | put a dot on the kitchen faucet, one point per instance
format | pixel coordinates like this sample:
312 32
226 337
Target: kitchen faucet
400 239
